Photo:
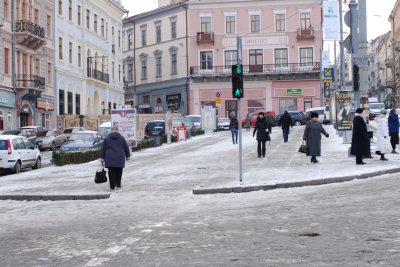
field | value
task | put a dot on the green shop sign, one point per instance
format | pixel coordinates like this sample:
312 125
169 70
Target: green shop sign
294 91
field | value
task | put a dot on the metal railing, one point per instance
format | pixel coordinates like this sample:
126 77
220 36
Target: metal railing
98 75
29 27
311 67
31 81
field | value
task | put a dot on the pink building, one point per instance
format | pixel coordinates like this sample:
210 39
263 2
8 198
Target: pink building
281 54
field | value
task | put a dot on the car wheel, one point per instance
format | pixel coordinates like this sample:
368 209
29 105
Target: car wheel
38 164
17 168
53 146
297 123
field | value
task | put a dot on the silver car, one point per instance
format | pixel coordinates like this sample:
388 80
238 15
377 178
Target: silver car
50 139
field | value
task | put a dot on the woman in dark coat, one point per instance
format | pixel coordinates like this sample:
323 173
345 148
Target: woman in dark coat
261 128
360 139
234 127
393 121
114 151
312 136
285 122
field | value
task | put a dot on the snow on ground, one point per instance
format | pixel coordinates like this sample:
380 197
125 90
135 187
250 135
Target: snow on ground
208 161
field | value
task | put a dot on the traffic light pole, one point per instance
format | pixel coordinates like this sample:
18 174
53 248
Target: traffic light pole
240 141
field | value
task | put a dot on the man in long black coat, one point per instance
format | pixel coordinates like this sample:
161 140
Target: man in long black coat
261 128
285 122
360 140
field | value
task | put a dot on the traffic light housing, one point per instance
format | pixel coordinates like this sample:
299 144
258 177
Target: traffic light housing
356 78
237 81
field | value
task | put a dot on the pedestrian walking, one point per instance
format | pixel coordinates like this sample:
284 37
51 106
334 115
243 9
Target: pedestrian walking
286 123
382 135
261 128
312 136
234 127
270 120
360 140
247 123
114 151
393 122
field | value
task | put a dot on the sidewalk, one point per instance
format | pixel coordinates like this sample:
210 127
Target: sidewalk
284 167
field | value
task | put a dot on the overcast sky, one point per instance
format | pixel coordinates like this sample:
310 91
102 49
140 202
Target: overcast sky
378 13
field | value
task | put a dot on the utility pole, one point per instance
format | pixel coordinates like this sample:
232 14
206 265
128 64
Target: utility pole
342 79
363 46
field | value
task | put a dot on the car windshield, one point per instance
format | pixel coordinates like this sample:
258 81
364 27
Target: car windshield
376 105
192 119
223 120
87 137
14 132
43 133
104 131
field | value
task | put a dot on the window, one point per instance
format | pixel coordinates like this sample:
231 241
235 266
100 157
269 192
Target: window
79 15
88 18
113 71
119 72
306 56
102 27
59 7
255 23
49 72
6 9
173 29
95 23
256 60
112 35
130 41
307 103
287 104
48 26
6 61
206 60
143 66
36 19
70 53
70 10
305 20
60 48
77 104
280 22
70 103
174 67
205 24
158 33
230 58
143 37
158 67
79 56
130 72
230 24
281 57
119 39
61 102
254 105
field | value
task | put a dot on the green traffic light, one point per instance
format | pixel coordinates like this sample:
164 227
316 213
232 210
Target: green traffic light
237 92
239 69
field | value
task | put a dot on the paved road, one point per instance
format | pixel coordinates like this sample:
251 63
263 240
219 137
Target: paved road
46 157
154 220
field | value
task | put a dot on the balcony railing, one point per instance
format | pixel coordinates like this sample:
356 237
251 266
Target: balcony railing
98 75
312 67
29 34
389 62
305 33
27 81
205 38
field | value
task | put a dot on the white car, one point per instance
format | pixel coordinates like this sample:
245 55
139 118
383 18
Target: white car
17 152
223 124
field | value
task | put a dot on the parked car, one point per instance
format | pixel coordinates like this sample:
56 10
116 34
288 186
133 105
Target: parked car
27 133
50 139
83 140
70 130
319 110
104 129
35 129
17 152
298 118
327 115
223 124
154 128
254 115
195 119
375 109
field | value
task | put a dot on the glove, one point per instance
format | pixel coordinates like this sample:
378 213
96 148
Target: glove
128 158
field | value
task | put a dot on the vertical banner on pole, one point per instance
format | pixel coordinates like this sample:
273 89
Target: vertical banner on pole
331 20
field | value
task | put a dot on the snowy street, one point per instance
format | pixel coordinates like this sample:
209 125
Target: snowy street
155 220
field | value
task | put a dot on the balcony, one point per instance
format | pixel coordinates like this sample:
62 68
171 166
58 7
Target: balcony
98 75
289 68
27 81
29 34
205 38
305 33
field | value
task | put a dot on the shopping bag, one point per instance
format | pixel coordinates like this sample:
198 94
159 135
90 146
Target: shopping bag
303 148
101 175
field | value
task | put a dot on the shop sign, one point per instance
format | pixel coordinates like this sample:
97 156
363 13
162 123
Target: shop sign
46 105
294 91
6 100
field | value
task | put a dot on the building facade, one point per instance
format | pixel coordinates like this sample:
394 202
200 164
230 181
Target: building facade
281 46
88 63
155 60
395 50
32 102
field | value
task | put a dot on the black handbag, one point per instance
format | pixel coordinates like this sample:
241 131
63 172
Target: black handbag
101 175
268 137
303 148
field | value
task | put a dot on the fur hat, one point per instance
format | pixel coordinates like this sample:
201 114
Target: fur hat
359 110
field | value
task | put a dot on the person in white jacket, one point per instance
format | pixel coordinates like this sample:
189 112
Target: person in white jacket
383 145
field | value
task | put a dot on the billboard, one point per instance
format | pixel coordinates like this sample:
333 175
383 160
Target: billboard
331 20
125 120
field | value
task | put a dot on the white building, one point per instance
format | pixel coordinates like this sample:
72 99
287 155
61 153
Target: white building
88 61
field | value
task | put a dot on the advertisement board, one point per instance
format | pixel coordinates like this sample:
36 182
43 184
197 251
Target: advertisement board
125 120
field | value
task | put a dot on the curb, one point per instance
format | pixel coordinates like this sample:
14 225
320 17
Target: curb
53 197
245 189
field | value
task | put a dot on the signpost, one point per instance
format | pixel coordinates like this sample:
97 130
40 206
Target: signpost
240 95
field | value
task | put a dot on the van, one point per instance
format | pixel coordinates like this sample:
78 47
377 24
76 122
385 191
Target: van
319 110
327 116
104 129
195 119
375 109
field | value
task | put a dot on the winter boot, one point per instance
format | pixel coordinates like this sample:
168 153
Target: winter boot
383 157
